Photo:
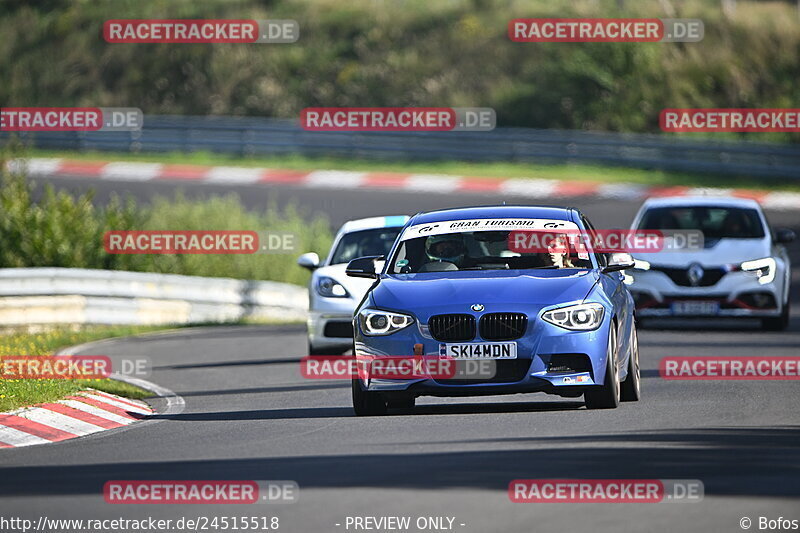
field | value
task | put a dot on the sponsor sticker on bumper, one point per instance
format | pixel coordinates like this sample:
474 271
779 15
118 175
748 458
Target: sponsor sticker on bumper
580 379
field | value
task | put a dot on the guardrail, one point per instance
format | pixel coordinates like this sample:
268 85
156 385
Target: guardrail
262 136
46 296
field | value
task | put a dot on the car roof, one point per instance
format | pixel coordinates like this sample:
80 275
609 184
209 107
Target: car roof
391 221
495 211
690 201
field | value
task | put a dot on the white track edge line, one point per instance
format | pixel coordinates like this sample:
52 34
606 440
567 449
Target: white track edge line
175 403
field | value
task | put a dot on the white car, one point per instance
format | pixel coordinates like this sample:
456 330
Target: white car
332 295
742 270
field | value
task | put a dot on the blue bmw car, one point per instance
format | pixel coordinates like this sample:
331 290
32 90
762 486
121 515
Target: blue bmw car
455 286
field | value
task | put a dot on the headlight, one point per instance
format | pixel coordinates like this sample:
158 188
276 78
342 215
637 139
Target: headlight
641 264
581 317
375 322
330 287
763 268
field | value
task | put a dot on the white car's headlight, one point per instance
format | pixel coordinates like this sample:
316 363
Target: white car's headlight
580 317
330 288
763 268
377 322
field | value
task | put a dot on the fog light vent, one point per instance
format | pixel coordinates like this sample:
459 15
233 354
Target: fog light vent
569 363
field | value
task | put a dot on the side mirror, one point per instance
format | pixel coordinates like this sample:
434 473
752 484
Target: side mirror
619 261
309 260
363 267
784 236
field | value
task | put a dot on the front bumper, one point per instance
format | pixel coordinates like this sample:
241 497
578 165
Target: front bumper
330 323
736 294
539 367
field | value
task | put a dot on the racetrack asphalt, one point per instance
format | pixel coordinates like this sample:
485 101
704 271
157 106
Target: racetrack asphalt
250 415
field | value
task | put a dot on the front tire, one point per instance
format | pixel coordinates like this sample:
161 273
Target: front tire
606 396
367 403
631 387
401 402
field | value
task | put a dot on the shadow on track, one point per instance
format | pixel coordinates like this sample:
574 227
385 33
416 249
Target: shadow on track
492 408
762 455
244 362
741 325
789 342
264 414
216 331
267 390
338 412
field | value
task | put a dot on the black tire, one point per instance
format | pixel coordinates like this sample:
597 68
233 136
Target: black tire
778 323
606 396
367 403
631 390
401 402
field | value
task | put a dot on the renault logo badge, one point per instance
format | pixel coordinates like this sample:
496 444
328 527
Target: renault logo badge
695 274
477 307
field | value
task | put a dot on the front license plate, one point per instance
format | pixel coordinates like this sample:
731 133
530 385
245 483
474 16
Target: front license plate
479 350
695 308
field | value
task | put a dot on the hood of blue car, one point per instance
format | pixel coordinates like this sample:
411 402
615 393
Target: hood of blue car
496 290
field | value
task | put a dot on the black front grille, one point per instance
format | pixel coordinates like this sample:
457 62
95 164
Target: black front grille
452 327
680 276
506 371
339 329
503 326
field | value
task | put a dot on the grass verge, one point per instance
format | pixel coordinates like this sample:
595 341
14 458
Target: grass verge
23 392
15 393
499 170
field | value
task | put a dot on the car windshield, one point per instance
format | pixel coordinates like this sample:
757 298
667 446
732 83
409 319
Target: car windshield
364 243
714 222
478 250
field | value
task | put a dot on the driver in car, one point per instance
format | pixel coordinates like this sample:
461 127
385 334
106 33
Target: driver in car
446 248
558 252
